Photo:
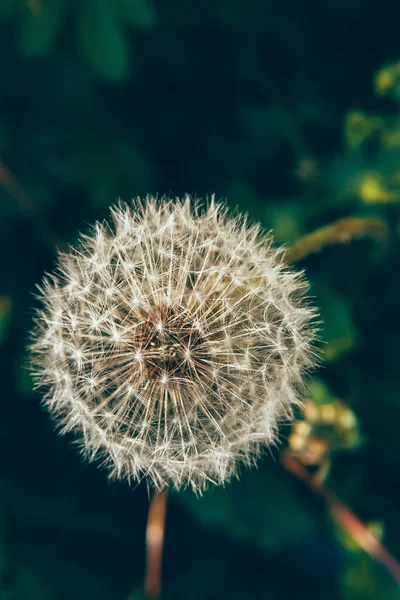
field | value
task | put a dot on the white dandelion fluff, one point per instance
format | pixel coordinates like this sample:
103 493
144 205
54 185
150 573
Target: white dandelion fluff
173 340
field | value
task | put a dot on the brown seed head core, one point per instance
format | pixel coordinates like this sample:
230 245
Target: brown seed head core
170 344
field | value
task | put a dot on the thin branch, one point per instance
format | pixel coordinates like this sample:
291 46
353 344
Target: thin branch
10 184
341 231
13 188
345 517
154 542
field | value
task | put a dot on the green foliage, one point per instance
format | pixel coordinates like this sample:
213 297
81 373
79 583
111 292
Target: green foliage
117 98
360 582
39 31
271 514
100 34
102 40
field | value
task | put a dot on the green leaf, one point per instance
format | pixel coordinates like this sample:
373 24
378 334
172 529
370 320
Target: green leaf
286 219
263 508
362 580
39 30
102 40
138 13
214 508
271 512
319 392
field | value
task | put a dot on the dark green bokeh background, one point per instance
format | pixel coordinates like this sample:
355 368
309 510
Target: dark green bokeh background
102 99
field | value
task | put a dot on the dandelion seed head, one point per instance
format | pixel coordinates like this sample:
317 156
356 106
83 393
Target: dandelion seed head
173 340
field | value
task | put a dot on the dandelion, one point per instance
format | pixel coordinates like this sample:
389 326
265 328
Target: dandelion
173 340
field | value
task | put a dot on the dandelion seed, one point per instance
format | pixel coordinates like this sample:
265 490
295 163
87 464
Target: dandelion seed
173 341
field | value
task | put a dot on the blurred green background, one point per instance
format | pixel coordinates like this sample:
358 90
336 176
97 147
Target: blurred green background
290 110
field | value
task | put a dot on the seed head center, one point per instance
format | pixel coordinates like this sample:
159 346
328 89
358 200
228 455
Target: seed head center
170 344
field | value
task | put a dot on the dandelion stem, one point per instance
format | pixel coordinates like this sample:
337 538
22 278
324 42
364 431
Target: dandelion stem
341 231
345 517
154 543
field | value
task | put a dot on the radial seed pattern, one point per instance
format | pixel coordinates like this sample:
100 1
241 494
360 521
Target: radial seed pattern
173 340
